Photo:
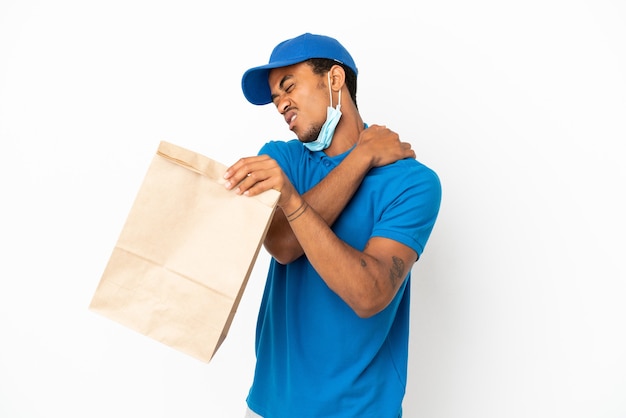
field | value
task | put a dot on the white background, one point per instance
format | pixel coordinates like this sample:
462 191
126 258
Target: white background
518 302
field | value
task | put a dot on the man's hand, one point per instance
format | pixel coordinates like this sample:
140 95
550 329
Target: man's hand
383 146
253 175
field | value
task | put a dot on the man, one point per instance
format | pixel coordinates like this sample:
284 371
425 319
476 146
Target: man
355 212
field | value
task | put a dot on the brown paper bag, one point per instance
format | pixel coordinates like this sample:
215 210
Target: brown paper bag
185 253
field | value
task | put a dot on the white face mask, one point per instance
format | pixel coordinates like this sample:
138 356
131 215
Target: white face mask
328 129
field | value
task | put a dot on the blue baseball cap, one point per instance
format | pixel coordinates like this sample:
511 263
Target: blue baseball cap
292 51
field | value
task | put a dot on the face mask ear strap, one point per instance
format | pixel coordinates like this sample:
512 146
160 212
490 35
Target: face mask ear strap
330 92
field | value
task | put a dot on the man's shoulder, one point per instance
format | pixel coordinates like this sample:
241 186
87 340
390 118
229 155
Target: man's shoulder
284 144
291 146
406 176
408 166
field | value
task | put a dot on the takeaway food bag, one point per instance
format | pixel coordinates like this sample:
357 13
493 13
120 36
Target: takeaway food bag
184 255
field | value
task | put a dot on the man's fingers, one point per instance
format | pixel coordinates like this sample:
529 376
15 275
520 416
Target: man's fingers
241 169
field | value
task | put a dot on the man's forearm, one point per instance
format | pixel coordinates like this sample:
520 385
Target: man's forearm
366 280
328 198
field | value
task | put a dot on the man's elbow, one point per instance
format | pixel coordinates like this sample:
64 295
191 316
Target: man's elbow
283 255
367 307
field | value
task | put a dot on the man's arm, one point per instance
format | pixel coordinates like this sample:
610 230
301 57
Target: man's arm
377 146
366 280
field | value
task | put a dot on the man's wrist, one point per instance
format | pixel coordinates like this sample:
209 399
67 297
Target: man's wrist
362 158
293 205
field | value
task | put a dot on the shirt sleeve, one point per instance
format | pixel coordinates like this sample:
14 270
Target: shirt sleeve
411 214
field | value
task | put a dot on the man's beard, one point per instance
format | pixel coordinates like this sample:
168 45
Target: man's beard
311 134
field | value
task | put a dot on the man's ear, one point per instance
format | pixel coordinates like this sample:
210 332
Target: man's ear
337 77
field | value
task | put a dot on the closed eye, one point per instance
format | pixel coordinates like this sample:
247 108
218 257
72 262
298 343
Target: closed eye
283 86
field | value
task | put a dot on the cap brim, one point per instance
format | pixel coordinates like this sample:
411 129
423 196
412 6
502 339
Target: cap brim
255 85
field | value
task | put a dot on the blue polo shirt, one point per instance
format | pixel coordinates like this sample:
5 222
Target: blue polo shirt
315 357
